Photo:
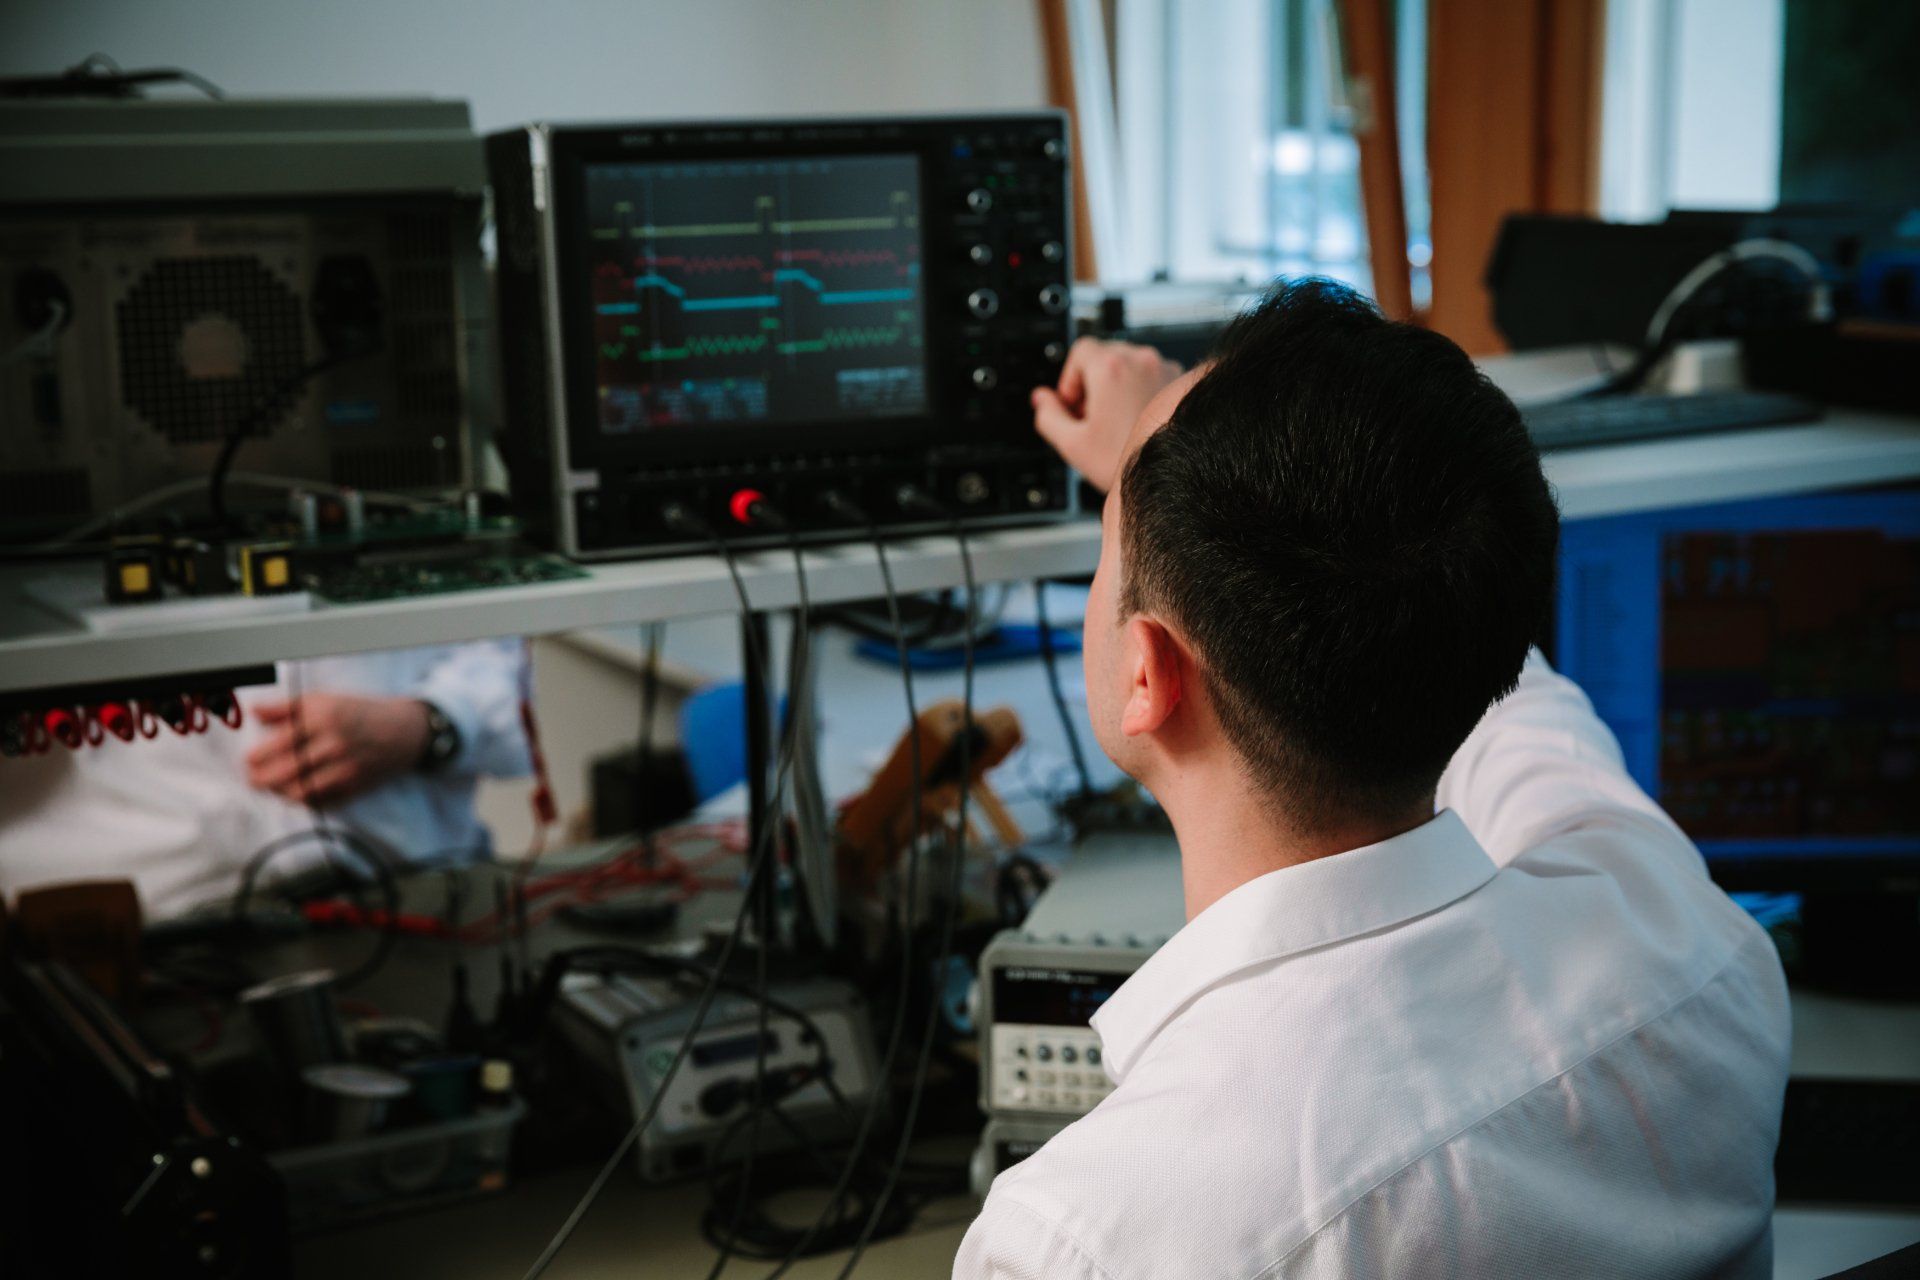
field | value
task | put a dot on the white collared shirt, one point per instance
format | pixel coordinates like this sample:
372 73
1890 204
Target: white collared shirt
1529 1038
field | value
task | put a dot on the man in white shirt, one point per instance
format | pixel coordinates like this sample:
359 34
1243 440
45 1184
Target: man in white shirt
1455 997
391 745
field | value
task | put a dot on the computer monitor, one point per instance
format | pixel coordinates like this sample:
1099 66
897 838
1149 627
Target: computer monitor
1760 663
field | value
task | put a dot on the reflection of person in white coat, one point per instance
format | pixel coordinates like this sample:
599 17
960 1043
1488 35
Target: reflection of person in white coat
390 745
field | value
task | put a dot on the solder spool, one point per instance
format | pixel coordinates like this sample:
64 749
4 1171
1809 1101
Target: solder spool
296 1019
347 1100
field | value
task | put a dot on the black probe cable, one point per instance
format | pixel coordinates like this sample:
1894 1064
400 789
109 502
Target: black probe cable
246 422
677 516
845 507
913 497
654 635
1053 684
329 840
755 509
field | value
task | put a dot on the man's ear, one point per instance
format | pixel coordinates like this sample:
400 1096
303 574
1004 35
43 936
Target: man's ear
1154 676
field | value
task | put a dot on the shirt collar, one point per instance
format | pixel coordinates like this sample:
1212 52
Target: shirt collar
1294 909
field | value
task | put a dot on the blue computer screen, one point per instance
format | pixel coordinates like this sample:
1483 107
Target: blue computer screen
1760 663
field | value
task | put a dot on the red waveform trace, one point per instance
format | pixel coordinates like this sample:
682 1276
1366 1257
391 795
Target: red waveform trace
701 264
837 257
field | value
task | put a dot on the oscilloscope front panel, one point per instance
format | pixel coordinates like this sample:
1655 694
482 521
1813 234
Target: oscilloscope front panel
689 309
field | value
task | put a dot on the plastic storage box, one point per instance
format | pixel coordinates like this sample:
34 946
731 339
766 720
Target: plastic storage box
400 1170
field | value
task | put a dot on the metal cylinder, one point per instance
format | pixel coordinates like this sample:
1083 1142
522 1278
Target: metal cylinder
346 1100
296 1019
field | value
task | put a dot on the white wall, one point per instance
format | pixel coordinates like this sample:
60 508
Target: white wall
519 60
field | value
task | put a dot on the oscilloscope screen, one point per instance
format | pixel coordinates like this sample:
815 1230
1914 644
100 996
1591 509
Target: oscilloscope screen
756 291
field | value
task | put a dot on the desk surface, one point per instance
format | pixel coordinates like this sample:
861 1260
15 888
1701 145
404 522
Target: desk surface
653 1231
635 1231
638 1230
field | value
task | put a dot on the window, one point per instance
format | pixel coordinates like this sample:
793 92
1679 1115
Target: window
1691 106
1235 156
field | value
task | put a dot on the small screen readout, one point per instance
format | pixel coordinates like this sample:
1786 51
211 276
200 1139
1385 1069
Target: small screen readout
1051 997
712 1053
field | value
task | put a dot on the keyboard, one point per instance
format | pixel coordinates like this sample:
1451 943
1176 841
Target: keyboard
1580 424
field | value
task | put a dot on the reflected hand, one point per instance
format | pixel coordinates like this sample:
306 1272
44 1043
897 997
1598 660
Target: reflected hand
330 747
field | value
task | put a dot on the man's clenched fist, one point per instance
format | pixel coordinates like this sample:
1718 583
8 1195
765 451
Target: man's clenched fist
1103 387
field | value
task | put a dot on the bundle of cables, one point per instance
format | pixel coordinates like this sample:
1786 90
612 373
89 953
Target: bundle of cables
872 1194
756 901
895 1202
655 863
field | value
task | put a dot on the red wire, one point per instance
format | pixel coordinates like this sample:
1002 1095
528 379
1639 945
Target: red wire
558 890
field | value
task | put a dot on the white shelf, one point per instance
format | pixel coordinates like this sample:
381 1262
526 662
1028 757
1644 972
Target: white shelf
39 649
1849 447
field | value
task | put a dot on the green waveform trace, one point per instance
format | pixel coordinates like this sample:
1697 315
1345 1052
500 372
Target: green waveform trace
842 339
733 344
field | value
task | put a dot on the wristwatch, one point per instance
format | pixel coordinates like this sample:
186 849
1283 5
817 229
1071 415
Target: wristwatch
443 740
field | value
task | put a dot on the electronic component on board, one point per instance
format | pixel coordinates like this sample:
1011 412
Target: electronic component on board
133 570
266 569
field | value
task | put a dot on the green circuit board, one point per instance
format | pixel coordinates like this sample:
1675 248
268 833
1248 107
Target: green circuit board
360 583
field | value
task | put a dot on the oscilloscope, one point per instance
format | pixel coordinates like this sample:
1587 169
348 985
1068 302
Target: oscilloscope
693 310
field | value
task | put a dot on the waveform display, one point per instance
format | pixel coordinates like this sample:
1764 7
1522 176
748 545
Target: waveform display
777 290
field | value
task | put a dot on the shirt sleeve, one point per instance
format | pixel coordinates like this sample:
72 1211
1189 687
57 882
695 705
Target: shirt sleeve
479 687
1010 1241
1541 763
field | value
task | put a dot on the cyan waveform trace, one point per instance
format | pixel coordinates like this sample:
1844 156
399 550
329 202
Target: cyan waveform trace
759 301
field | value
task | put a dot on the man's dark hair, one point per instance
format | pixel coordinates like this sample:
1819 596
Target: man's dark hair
1349 524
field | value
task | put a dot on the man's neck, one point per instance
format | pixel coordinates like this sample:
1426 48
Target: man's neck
1229 835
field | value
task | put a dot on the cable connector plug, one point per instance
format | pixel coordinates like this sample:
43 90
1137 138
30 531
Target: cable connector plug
751 509
681 518
911 497
844 507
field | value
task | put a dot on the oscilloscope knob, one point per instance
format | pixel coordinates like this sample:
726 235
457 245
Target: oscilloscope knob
985 377
1054 352
1053 251
979 254
984 304
1053 299
979 200
1053 148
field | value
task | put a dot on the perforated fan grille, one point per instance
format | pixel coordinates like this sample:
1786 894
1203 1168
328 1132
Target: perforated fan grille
428 386
154 318
401 466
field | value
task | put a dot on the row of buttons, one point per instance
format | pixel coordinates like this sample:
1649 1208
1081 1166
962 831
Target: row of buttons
1043 1052
1070 1099
1092 1079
